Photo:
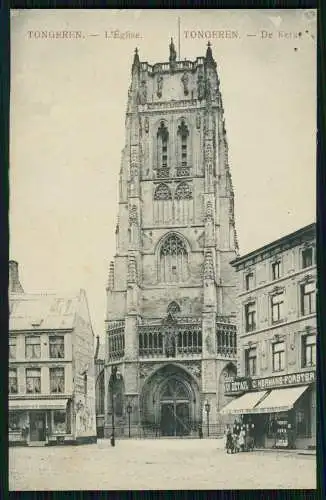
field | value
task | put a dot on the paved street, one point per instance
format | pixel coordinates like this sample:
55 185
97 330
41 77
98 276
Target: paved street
156 464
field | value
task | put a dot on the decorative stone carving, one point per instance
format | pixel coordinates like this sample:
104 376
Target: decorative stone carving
209 266
133 219
198 121
145 369
132 269
200 86
183 192
185 82
143 92
146 125
162 192
173 56
194 368
159 86
111 276
170 342
209 210
209 344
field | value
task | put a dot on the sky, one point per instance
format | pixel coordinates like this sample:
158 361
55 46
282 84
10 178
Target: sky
68 103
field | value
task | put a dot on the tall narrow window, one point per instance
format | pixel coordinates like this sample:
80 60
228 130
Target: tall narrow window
249 281
183 203
57 380
183 164
33 380
12 347
307 257
13 385
57 347
85 384
162 151
278 356
250 316
308 299
162 204
276 270
308 349
251 362
277 305
33 347
173 260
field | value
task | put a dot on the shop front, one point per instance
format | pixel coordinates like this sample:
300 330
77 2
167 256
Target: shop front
283 412
39 422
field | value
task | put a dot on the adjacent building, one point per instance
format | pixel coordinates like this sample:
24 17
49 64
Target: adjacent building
51 367
170 319
277 328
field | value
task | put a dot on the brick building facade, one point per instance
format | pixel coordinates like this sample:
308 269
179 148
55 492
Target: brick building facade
277 340
170 327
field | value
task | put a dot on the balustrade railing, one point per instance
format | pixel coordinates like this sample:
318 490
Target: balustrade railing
163 172
183 171
182 340
226 339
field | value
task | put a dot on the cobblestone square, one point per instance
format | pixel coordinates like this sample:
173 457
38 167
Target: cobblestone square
157 464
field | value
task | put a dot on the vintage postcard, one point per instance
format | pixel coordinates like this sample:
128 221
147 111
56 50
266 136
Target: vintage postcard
163 250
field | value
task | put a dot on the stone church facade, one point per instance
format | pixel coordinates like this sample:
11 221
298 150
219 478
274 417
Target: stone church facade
170 318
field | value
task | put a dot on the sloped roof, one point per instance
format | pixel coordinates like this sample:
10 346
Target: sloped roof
42 311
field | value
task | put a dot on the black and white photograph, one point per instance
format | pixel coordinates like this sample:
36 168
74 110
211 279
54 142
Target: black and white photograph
162 273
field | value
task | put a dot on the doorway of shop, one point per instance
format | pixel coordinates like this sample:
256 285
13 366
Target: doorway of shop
37 421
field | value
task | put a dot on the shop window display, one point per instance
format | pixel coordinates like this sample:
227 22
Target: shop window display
59 422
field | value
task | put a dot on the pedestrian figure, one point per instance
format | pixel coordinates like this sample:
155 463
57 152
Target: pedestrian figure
242 436
200 432
236 432
229 440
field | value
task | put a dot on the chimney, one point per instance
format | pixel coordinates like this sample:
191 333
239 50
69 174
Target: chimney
14 283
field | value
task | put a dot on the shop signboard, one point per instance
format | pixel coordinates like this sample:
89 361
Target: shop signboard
238 385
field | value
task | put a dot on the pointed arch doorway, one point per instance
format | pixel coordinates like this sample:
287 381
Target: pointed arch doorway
175 408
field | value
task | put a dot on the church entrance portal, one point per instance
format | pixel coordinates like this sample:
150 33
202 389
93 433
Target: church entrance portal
174 401
170 403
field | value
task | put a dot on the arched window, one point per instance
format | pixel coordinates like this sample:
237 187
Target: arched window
183 134
173 308
183 192
183 203
173 260
162 192
162 150
162 204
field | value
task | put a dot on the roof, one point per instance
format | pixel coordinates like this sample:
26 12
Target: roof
42 311
296 235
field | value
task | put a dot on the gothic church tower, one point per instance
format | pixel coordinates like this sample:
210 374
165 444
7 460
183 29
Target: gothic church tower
170 295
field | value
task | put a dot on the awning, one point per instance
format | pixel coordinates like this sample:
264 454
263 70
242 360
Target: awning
38 404
245 403
280 400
